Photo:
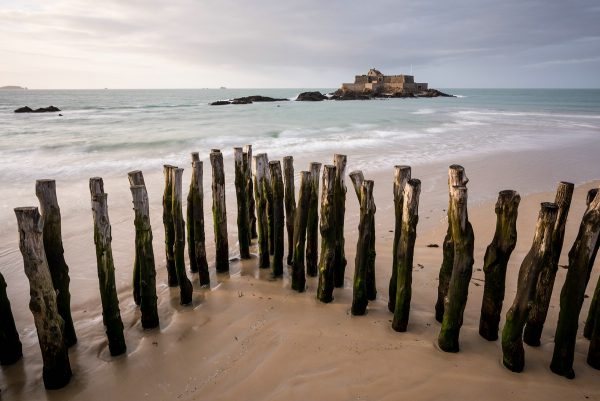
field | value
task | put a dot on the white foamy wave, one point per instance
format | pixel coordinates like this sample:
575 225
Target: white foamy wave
424 111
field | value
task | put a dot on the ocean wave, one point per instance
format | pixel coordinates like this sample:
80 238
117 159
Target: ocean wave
423 111
525 114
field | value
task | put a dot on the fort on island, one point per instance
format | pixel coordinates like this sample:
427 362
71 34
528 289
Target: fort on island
377 83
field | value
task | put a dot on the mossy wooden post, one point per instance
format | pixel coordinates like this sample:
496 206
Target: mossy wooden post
168 224
360 298
357 179
11 349
250 191
189 214
401 177
144 256
513 354
270 218
456 177
405 253
327 229
590 321
243 219
45 191
462 269
581 260
290 203
259 167
593 356
278 215
219 211
185 285
300 222
339 161
495 262
312 227
48 322
111 315
545 285
136 178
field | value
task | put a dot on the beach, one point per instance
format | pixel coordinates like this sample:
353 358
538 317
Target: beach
251 337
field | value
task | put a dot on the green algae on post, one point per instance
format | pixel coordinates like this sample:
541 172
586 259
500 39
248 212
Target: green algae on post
401 177
195 223
219 211
278 217
367 213
327 229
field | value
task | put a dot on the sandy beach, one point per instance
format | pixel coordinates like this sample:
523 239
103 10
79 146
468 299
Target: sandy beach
253 338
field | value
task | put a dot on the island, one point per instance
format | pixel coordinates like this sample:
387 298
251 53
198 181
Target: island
12 87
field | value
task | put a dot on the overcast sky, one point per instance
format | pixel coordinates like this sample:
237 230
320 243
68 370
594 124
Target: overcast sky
299 43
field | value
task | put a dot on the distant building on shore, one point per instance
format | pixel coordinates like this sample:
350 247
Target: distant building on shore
376 82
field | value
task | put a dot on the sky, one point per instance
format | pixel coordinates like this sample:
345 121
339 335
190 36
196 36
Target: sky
298 43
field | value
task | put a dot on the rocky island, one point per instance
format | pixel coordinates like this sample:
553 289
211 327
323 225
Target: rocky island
11 87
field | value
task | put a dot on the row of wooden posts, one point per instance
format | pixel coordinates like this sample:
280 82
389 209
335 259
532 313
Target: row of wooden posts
266 203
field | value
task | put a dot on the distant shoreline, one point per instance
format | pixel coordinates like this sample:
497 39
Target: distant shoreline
12 87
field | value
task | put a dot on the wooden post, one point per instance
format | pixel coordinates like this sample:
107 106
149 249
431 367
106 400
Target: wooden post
301 218
259 168
219 211
581 260
111 315
456 177
462 268
495 262
405 253
136 178
250 191
541 303
195 223
290 203
357 179
339 161
401 177
43 304
267 185
363 246
278 217
327 228
144 256
185 285
243 218
168 224
312 227
593 356
45 191
590 321
11 349
529 272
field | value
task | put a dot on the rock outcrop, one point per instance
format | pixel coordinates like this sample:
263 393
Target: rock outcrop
27 109
247 100
311 97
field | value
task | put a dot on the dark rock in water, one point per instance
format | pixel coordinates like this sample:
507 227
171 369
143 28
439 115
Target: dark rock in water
247 100
350 96
26 109
311 97
433 93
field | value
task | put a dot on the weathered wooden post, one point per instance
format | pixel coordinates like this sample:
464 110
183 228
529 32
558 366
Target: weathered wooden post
456 177
545 285
513 354
270 217
405 253
243 218
581 260
136 178
401 177
250 191
590 321
495 262
462 269
11 349
312 227
168 224
185 285
593 356
45 191
111 315
360 298
339 161
301 218
48 322
144 256
259 168
195 223
357 179
327 228
278 216
219 211
290 203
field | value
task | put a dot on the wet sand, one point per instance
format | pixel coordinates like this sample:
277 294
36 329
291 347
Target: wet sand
253 338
